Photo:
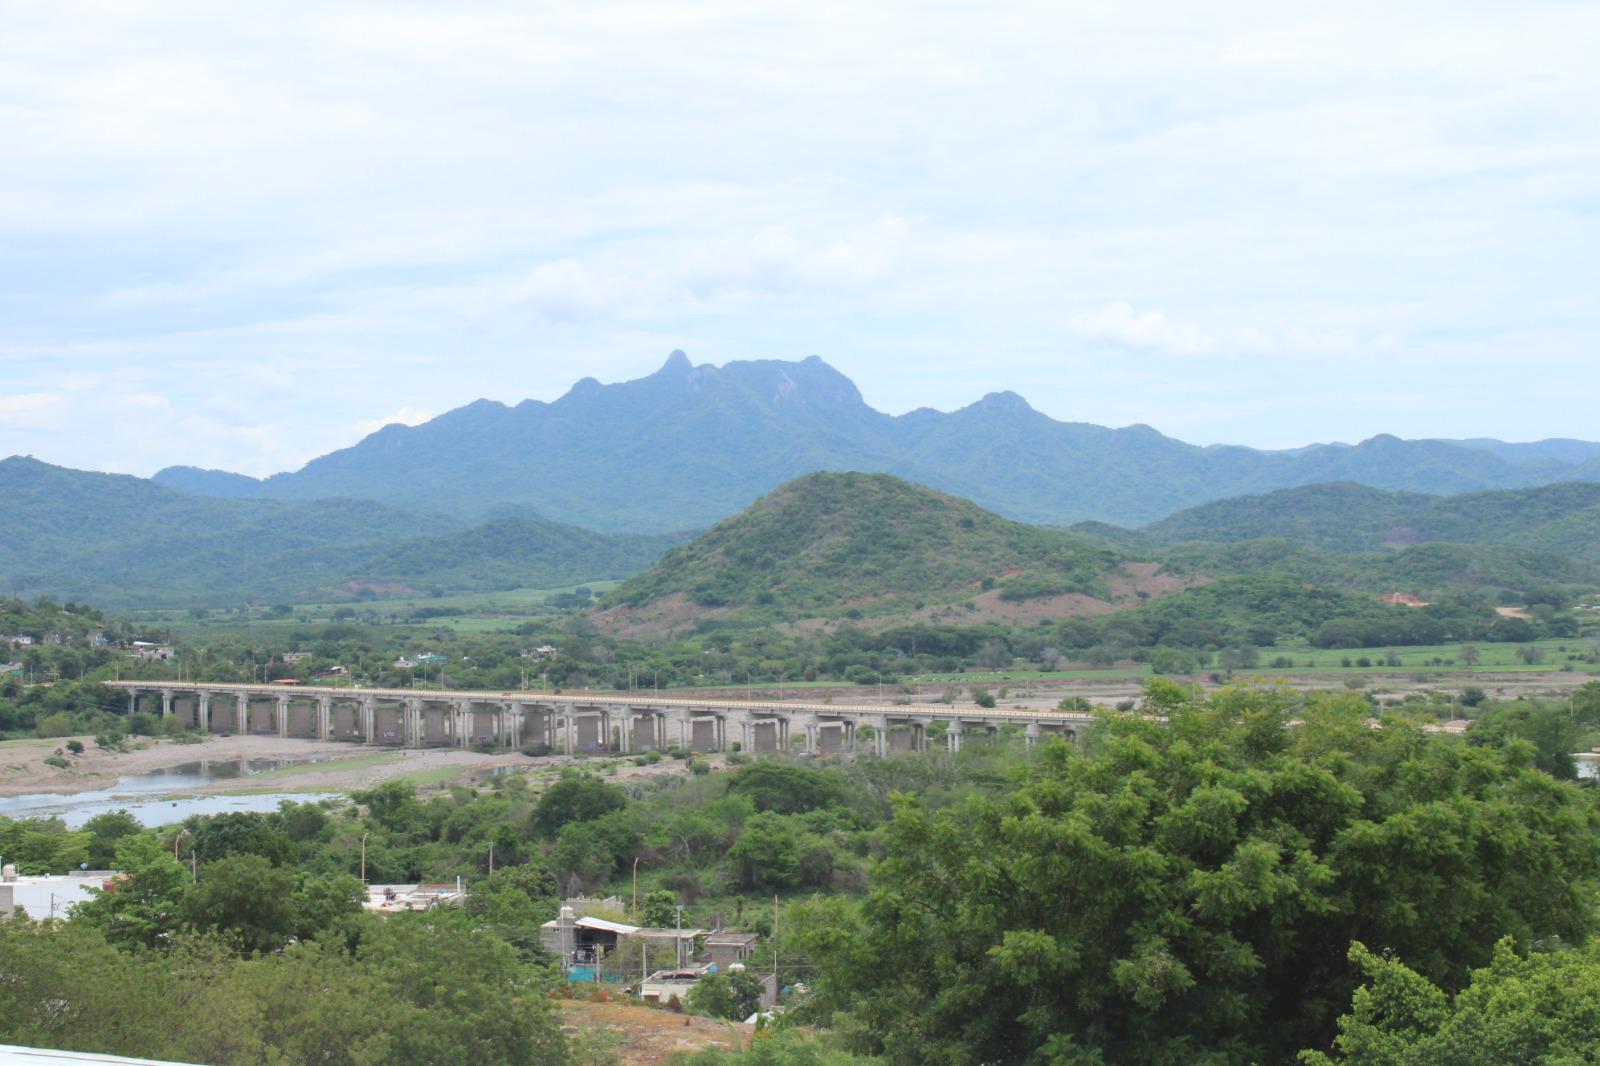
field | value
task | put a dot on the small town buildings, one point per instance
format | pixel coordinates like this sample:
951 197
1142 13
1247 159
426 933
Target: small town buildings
47 896
392 899
728 947
292 657
146 651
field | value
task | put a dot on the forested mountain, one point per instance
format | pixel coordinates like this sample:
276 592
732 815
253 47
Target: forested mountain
1562 519
687 446
114 539
863 545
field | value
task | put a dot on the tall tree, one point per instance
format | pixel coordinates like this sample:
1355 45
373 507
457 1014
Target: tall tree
1187 891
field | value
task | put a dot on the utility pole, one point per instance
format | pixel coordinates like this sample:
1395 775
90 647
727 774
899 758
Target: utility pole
363 858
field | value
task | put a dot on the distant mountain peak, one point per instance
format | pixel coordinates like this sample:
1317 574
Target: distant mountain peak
677 363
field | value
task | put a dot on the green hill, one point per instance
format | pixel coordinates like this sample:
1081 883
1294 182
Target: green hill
1563 518
118 540
515 553
864 545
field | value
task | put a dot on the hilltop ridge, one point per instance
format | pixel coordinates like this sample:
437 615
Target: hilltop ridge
691 444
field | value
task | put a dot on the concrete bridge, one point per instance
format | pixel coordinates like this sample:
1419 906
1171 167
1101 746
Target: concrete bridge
571 723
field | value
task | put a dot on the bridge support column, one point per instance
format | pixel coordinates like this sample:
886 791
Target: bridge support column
369 720
463 718
133 701
203 712
571 720
952 736
241 714
411 732
324 717
280 711
166 703
1030 735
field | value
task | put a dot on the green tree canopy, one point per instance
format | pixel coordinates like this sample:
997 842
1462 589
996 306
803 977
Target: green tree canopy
1534 1010
734 995
576 797
1187 892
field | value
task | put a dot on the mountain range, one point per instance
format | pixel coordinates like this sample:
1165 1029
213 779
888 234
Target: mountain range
118 540
689 445
1563 519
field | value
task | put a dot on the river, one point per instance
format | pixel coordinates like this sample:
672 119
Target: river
162 797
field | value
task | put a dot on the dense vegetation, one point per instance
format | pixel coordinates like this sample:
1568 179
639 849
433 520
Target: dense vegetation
1560 519
867 544
687 446
1189 892
119 541
1220 886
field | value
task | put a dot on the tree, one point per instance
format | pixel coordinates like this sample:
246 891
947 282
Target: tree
660 909
245 898
218 836
1536 1009
106 831
766 855
1188 891
734 995
1468 655
143 906
773 786
575 797
1549 728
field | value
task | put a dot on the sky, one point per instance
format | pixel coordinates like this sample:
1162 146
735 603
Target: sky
243 235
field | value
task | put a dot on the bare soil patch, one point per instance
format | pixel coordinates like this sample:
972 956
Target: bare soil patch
646 1036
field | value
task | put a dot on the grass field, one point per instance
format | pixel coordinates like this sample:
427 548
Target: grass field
482 612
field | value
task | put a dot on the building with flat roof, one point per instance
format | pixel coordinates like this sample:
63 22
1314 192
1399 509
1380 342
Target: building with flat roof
47 896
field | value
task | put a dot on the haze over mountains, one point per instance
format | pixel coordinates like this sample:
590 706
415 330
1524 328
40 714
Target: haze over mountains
687 446
118 540
495 497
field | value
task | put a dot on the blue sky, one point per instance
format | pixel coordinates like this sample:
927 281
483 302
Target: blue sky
242 236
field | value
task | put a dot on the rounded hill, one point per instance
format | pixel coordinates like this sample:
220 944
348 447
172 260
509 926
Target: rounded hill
865 544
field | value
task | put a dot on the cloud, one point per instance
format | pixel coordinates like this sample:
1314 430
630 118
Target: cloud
1148 331
405 416
1119 324
35 410
285 223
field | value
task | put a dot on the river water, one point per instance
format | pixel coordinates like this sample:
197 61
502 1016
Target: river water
158 797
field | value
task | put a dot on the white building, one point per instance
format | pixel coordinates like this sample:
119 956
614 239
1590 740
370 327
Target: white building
47 896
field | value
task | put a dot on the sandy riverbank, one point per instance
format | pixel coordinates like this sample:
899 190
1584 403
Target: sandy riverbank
337 767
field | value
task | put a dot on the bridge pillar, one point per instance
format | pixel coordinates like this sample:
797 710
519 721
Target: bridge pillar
952 736
411 731
166 703
324 717
462 714
1030 735
204 712
369 719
